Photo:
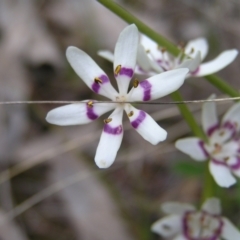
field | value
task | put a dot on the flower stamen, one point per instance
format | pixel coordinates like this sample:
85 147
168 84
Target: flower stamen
217 149
107 120
130 114
90 104
135 83
117 69
97 80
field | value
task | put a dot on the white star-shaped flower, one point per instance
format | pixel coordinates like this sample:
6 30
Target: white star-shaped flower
124 64
223 146
186 223
152 59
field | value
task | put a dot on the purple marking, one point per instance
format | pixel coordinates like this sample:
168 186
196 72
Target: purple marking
236 166
212 129
146 90
193 73
218 162
126 71
187 230
90 113
201 145
230 126
112 130
141 116
96 86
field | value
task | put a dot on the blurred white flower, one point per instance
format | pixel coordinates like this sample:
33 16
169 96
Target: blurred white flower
152 59
186 223
124 64
223 146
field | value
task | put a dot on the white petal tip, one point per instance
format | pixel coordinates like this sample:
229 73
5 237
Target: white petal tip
103 163
161 138
227 184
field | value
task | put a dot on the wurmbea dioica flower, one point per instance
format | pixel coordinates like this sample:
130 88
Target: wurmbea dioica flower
153 59
97 80
223 146
186 223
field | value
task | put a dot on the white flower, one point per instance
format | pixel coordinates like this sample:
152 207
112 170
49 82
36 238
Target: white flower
186 223
96 79
223 146
152 59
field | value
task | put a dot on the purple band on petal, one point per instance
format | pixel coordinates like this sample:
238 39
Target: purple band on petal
96 86
90 113
193 73
126 71
212 129
201 145
187 231
218 162
139 119
230 126
146 90
236 166
112 130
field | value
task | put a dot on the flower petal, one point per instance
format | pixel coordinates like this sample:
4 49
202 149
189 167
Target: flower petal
125 55
95 78
220 62
191 64
181 237
193 147
106 55
78 113
151 47
143 59
176 208
195 45
159 85
221 174
110 140
168 226
230 232
145 125
212 206
233 115
209 116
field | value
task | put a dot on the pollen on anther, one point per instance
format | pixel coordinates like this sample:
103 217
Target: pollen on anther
226 159
221 133
90 104
163 50
107 120
147 50
97 80
130 114
135 83
192 50
117 69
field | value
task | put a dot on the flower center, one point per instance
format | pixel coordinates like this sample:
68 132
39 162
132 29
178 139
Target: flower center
202 226
121 98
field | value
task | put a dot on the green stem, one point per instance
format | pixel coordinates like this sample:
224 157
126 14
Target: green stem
222 86
187 115
162 41
209 184
129 18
